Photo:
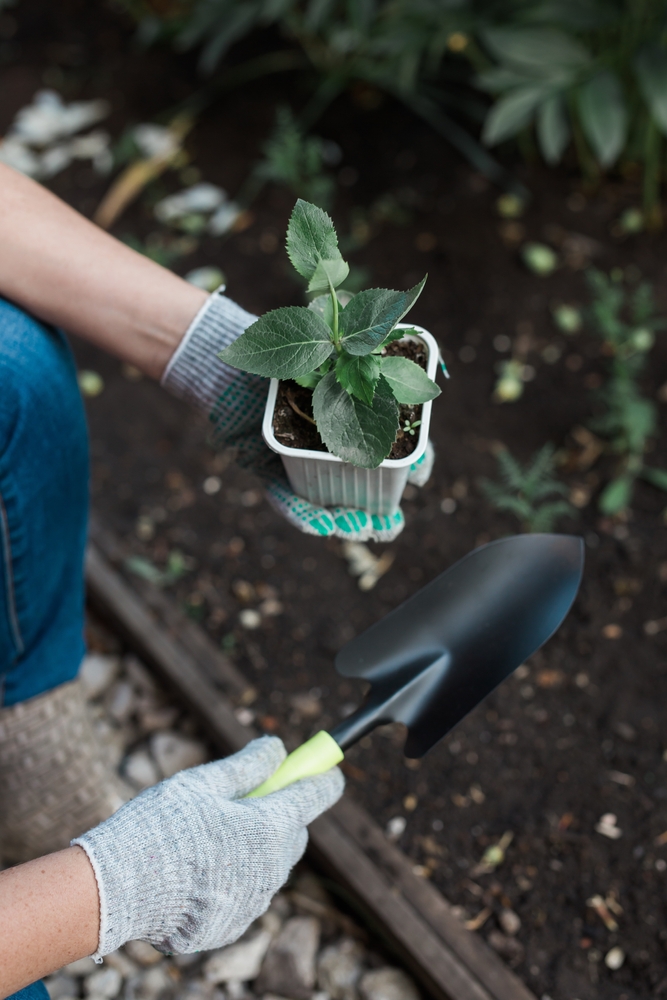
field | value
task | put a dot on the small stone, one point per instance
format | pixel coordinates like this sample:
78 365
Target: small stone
607 826
153 982
615 958
387 984
121 702
289 966
141 770
173 753
250 619
97 673
105 983
396 827
120 961
82 967
143 952
155 718
241 961
339 969
510 921
507 946
307 705
61 987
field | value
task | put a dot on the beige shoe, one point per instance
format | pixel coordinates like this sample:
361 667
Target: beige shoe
54 781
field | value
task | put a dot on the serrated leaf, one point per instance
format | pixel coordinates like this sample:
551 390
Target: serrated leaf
553 129
328 273
352 430
651 67
370 316
311 237
604 117
408 382
312 379
396 335
359 375
513 112
284 343
538 51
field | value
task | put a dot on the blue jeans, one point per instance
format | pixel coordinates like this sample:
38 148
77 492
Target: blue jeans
43 509
43 515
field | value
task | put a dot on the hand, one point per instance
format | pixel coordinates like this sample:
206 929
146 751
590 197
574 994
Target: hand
190 863
234 403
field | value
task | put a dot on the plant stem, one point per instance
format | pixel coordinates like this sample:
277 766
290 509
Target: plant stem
651 192
334 302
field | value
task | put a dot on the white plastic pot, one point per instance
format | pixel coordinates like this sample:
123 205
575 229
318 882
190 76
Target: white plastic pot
328 481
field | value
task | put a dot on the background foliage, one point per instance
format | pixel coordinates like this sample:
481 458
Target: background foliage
584 74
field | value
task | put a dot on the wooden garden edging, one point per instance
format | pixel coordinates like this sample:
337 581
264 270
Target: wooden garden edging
450 962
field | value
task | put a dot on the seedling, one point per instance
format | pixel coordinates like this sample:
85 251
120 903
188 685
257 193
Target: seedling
626 324
296 160
523 490
337 347
410 428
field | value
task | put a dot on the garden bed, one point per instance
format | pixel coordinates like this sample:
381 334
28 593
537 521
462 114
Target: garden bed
579 732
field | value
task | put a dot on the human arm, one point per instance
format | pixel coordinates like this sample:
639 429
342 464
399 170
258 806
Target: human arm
63 269
187 865
49 916
66 271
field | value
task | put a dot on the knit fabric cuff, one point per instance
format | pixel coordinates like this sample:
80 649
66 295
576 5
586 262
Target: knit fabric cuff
194 372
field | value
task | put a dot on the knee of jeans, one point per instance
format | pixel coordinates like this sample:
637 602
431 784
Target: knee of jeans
39 394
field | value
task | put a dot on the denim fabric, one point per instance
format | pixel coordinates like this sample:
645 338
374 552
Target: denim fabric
43 508
37 991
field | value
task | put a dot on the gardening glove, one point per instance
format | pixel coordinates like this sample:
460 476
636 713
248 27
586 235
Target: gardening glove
190 863
234 403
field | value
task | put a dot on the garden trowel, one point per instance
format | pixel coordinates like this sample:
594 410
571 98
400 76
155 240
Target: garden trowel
434 658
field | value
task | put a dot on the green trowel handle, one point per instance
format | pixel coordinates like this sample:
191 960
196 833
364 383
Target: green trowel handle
317 755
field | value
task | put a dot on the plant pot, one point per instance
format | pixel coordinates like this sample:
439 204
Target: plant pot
328 481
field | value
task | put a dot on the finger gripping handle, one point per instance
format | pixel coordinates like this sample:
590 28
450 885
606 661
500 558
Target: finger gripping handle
315 756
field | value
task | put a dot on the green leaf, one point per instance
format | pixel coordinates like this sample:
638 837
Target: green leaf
651 68
395 335
352 430
359 375
538 51
604 116
656 477
553 130
617 494
370 316
328 274
408 382
513 112
284 343
311 237
498 79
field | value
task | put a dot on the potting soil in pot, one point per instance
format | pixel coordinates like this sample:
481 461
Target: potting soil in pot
293 411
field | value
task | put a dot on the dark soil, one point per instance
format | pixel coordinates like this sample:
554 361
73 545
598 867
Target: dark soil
294 430
580 731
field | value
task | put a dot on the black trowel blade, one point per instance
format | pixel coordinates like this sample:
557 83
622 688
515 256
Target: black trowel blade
434 658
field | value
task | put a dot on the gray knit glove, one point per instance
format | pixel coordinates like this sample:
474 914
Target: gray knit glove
189 864
233 401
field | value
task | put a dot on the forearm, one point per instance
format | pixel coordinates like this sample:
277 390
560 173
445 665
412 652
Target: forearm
49 916
64 270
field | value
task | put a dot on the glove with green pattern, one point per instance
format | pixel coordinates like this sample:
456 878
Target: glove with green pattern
234 403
